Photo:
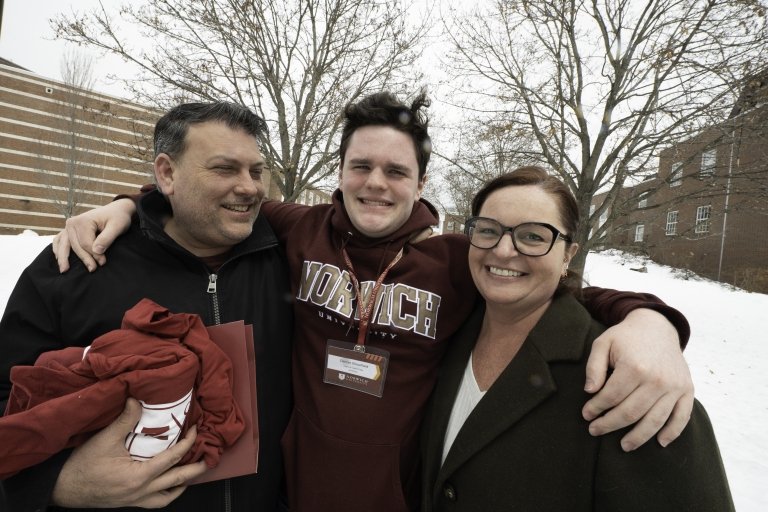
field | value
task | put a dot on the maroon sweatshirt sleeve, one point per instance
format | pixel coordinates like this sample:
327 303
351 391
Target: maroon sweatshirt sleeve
283 217
611 307
149 187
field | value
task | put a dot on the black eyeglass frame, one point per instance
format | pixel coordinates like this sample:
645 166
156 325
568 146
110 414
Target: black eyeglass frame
469 225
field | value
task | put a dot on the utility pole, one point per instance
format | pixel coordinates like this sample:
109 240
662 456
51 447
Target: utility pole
727 198
1 16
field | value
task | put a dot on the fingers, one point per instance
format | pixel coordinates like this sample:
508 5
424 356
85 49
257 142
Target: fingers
61 251
106 238
81 240
159 499
168 458
130 416
111 438
170 480
649 424
648 407
176 478
655 420
597 366
615 392
170 485
81 231
677 422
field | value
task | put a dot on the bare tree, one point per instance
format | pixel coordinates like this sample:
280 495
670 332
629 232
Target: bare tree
67 168
483 149
295 62
603 85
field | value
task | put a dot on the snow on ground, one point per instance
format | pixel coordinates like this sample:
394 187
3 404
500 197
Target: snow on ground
727 353
728 357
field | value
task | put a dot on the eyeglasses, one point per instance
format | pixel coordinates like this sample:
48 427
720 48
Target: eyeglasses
529 239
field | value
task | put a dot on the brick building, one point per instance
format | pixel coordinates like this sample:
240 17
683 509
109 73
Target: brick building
453 223
707 208
309 197
64 150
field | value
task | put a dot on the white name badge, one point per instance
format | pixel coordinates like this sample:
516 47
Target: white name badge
356 367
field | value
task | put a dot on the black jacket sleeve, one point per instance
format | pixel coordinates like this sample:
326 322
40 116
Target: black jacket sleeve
28 328
31 490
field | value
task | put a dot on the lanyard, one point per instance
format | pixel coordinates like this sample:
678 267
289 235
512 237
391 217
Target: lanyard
366 310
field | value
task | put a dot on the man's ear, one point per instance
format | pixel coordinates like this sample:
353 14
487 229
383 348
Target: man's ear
341 172
420 187
164 173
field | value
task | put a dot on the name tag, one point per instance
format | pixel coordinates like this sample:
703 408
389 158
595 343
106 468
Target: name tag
356 367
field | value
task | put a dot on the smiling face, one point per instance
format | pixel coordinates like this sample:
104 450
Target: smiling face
507 278
379 180
214 187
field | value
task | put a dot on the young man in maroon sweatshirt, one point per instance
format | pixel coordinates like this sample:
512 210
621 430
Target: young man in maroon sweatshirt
363 369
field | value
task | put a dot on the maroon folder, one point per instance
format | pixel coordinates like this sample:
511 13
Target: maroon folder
236 340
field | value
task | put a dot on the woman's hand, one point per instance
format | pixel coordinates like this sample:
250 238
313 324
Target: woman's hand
650 386
80 234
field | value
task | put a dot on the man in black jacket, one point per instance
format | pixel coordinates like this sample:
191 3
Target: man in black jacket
197 247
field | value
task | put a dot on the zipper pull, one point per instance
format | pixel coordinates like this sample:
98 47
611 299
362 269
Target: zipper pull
212 283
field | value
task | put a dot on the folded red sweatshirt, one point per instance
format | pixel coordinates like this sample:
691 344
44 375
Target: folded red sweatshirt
166 360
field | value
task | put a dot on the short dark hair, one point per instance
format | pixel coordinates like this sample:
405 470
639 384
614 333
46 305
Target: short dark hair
171 129
566 206
384 109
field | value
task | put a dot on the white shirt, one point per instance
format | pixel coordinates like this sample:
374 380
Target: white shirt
466 400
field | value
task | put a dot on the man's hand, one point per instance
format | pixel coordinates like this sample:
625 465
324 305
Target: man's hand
101 473
650 385
80 234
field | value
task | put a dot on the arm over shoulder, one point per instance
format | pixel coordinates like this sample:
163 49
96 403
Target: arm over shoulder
283 216
611 307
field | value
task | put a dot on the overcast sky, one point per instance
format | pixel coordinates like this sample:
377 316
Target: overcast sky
28 40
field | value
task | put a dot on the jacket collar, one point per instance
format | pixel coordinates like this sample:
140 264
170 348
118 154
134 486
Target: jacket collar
560 335
153 210
423 216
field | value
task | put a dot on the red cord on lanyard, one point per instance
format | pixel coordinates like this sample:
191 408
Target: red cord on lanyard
366 310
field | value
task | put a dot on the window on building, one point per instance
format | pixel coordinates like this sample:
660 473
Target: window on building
676 174
702 219
643 200
450 226
639 232
671 228
708 159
